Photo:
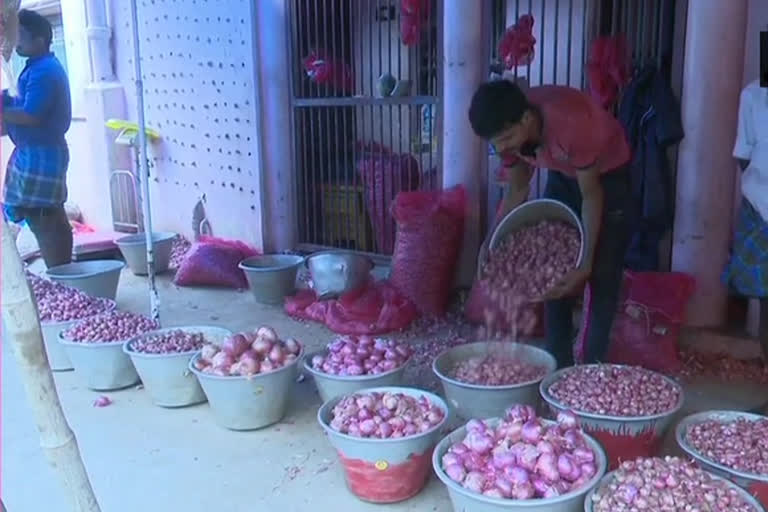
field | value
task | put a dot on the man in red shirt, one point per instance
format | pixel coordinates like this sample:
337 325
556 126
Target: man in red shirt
585 150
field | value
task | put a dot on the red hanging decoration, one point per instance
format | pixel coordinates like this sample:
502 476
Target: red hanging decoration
609 68
413 16
516 46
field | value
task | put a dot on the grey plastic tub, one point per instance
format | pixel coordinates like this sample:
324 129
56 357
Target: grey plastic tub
607 479
756 484
385 470
97 278
627 437
58 359
465 500
166 377
337 272
134 250
330 386
104 366
248 403
477 401
530 213
271 277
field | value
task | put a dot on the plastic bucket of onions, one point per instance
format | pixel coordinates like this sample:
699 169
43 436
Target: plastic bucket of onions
384 438
352 363
628 409
481 380
248 378
95 346
58 358
519 463
161 359
671 483
731 444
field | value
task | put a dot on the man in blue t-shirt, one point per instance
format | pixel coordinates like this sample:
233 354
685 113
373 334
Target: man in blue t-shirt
36 121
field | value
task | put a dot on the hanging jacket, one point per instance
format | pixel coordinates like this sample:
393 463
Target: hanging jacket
650 114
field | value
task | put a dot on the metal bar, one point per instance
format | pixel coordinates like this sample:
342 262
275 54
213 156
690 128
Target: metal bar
660 34
528 71
541 42
569 45
555 42
643 49
584 41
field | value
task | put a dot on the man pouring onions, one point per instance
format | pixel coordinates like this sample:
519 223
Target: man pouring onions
585 150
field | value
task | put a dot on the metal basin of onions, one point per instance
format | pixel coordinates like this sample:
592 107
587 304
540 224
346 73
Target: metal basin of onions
756 485
606 480
248 403
166 377
479 401
623 437
57 353
330 386
465 500
103 365
385 470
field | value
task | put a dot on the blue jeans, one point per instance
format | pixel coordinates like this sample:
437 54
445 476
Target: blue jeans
607 269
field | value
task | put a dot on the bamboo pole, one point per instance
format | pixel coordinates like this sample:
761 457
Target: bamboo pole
22 325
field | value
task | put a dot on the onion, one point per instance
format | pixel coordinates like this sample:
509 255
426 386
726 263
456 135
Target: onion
172 342
740 444
262 356
59 303
235 345
355 357
109 327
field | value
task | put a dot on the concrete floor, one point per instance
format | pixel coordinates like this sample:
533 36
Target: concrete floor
141 457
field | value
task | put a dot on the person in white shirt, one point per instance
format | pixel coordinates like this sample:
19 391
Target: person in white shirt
747 270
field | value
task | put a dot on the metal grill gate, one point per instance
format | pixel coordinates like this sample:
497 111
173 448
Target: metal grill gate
355 147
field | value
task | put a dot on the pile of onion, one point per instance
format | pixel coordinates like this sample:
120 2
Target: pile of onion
672 484
523 457
614 390
531 261
59 303
249 353
385 415
497 370
109 327
741 444
169 342
361 355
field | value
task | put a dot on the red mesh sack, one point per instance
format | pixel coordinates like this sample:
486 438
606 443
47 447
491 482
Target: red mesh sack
430 230
377 308
384 175
516 46
647 324
214 262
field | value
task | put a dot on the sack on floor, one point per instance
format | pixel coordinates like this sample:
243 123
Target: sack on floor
430 230
214 262
647 325
375 309
480 309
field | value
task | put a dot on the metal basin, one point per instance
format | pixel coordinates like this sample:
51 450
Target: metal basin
384 470
608 479
477 401
248 403
624 437
104 366
755 484
330 386
97 278
166 377
134 250
337 272
271 277
530 213
465 500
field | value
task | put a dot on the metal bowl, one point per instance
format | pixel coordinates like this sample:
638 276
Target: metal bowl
134 250
530 213
756 484
271 277
606 480
337 272
466 500
624 437
97 278
477 401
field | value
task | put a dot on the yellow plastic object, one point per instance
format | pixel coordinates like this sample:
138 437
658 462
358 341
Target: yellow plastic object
131 129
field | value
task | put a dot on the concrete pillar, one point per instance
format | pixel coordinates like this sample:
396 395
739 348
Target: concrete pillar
465 67
713 67
99 37
274 100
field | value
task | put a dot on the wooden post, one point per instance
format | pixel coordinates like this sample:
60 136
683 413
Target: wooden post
23 327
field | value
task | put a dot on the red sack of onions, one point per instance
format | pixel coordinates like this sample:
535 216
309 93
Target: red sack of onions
516 46
413 16
430 229
214 262
647 325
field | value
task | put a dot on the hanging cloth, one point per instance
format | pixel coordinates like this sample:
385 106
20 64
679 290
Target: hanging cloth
516 46
609 68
